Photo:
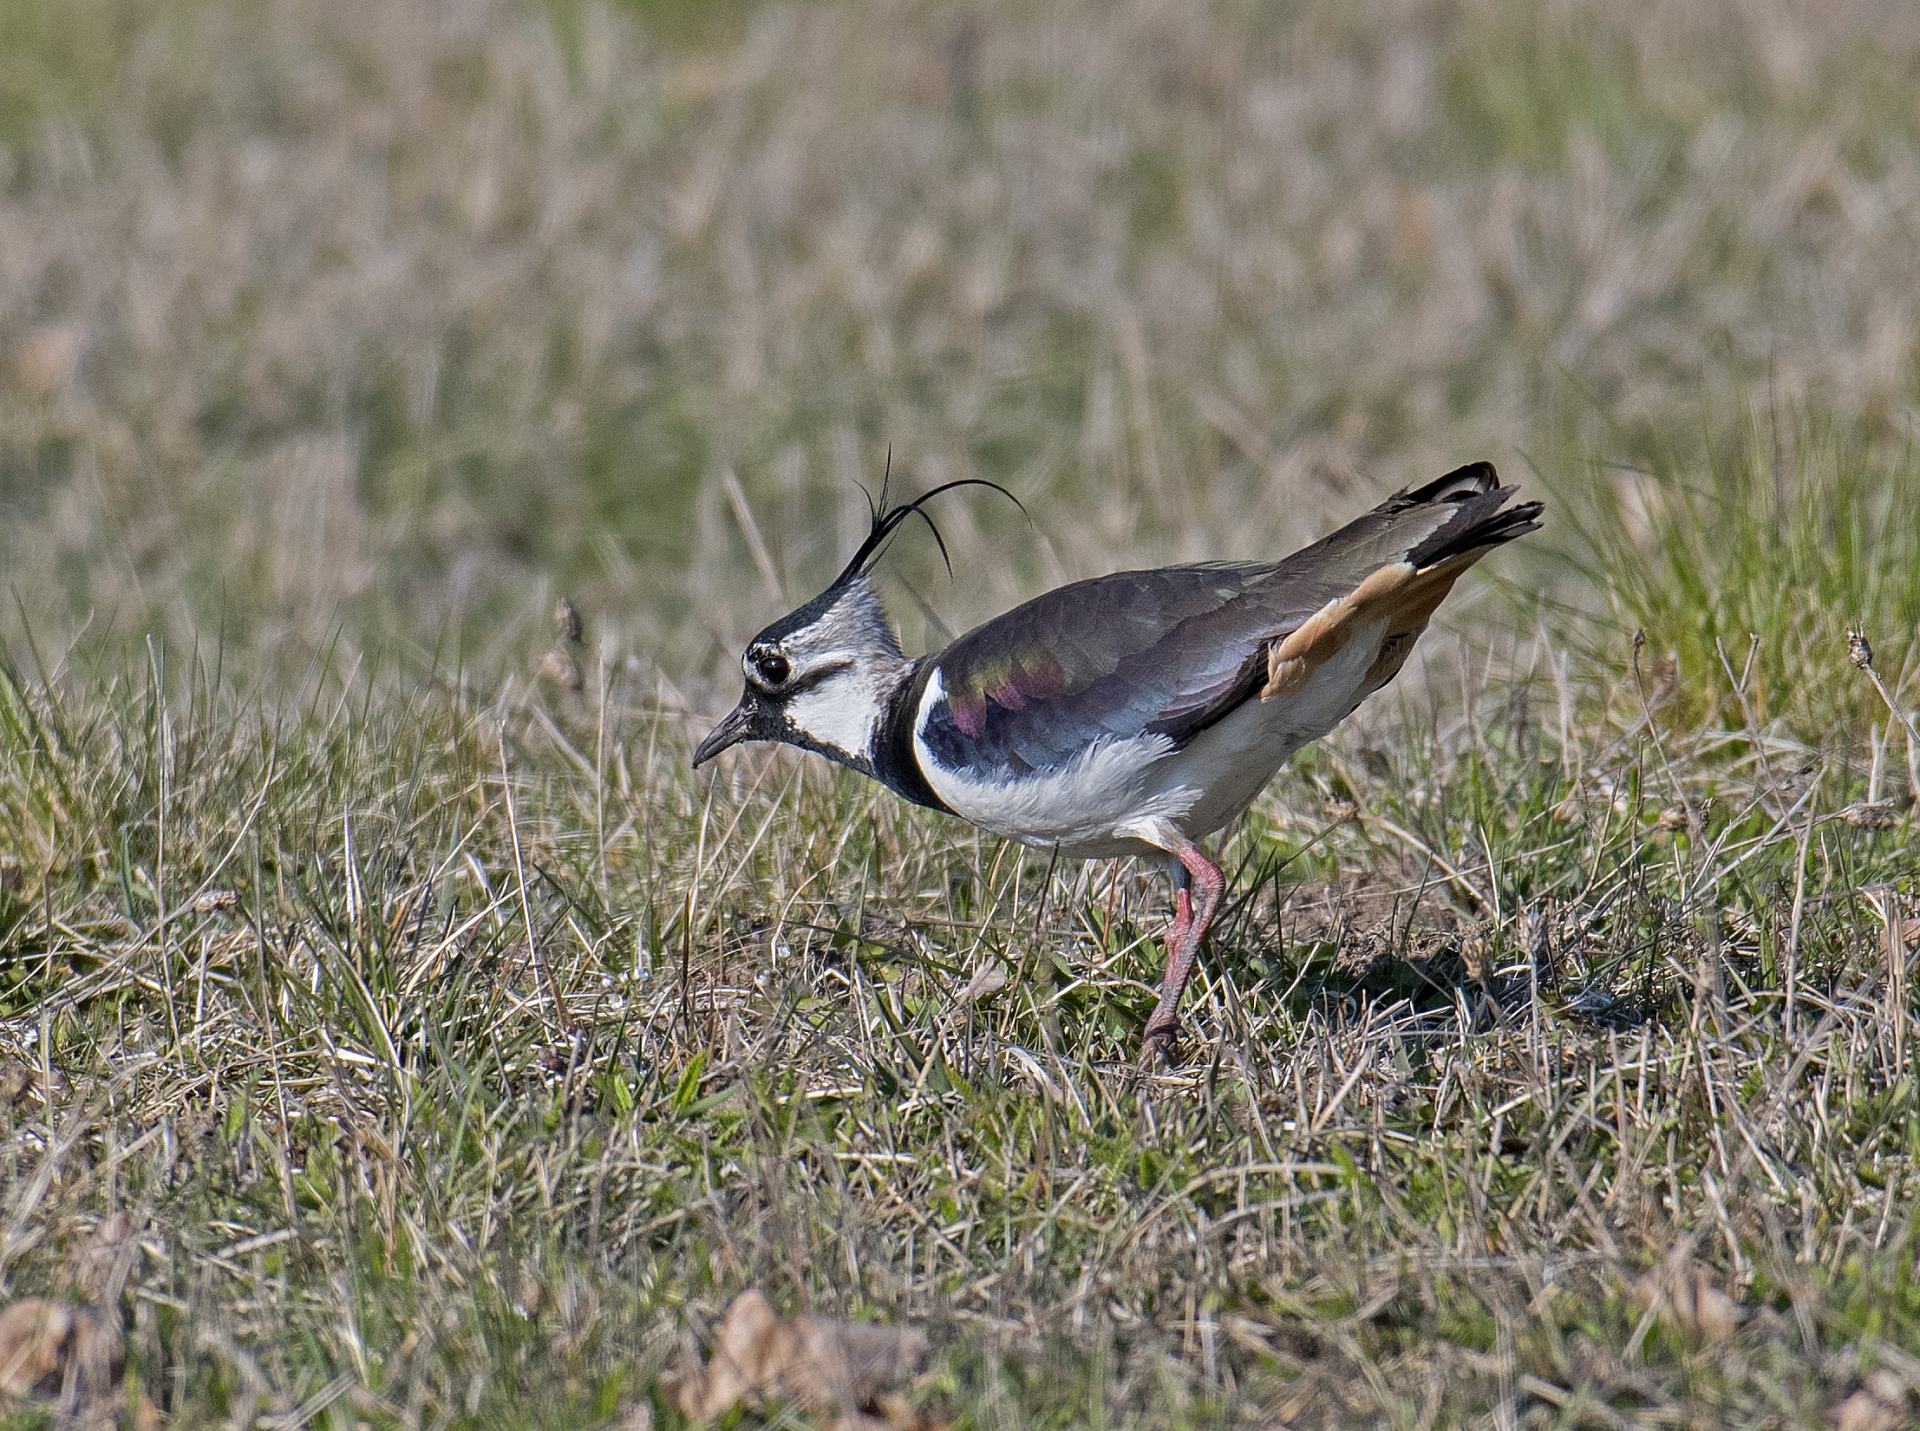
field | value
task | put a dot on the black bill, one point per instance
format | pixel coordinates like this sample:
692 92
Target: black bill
738 726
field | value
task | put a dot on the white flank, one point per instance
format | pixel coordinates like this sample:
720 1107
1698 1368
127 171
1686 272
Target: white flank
1230 763
1076 805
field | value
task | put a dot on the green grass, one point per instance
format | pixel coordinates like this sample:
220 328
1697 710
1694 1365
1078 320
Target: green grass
463 1053
1745 581
1462 1067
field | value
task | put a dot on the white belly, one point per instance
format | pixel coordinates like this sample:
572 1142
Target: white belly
1076 806
1082 805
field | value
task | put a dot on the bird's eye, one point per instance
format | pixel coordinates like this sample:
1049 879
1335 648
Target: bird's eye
772 668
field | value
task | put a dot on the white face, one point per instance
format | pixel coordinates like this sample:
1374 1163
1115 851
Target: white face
842 710
831 678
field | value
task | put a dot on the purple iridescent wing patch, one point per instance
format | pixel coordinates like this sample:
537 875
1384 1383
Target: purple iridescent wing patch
1112 657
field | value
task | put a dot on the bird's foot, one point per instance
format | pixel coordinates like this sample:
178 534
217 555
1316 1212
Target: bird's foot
1161 1040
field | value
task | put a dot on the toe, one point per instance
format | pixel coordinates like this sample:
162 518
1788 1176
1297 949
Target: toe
1160 1039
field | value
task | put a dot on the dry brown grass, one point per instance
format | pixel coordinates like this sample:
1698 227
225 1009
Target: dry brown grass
391 315
459 1060
460 1055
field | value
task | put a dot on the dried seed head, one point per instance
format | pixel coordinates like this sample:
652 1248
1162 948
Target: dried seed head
559 667
47 361
1863 816
991 979
1377 762
1859 651
579 1308
1674 817
1683 1294
566 619
1474 949
1879 1405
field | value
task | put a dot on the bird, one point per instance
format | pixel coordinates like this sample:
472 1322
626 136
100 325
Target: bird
1135 713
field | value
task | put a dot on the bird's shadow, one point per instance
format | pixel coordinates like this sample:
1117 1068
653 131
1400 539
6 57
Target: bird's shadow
1338 952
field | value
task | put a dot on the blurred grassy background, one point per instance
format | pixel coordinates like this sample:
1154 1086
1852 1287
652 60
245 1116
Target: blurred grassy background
392 319
463 1052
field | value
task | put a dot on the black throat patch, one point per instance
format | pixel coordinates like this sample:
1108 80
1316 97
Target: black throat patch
894 763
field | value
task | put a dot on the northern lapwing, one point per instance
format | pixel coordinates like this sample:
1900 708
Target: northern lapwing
1132 714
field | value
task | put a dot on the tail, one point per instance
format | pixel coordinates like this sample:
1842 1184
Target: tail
1480 519
1404 557
1459 512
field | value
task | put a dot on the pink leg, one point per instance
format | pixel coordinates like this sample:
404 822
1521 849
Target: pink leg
1193 912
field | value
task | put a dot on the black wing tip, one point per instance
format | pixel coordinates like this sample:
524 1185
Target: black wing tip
1480 523
1476 479
1514 522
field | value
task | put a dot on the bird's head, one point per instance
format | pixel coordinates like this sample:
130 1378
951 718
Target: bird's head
820 677
817 678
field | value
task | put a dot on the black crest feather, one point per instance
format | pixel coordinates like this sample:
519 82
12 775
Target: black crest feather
887 520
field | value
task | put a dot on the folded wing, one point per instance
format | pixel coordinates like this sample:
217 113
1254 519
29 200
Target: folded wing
1171 651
